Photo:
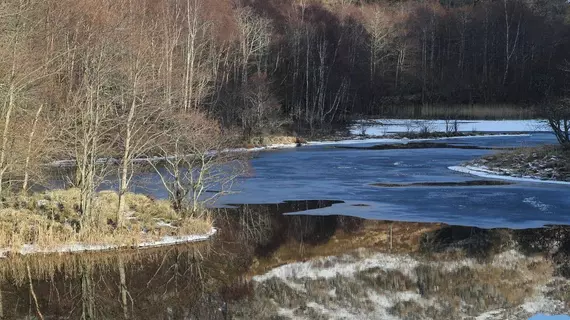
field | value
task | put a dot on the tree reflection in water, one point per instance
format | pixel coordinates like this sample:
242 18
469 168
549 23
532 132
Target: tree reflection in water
206 280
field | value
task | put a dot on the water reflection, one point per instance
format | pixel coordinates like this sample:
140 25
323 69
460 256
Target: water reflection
213 280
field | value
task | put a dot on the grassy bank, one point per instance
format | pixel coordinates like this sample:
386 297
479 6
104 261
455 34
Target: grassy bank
47 221
551 162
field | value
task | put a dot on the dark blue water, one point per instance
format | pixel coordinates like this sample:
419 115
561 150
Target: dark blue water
325 172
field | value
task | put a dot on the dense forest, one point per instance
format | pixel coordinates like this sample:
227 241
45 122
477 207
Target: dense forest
84 79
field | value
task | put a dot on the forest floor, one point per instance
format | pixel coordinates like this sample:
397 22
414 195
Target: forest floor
544 163
50 222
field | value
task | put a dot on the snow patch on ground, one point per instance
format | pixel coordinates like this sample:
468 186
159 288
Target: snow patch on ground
490 315
486 173
29 249
332 313
380 127
508 260
511 259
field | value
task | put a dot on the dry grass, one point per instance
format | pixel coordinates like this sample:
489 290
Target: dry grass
51 219
19 227
271 140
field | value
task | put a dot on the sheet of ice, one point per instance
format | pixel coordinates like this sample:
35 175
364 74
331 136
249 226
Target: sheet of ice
380 127
485 173
28 249
355 141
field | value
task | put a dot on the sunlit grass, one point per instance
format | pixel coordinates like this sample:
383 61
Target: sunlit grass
270 140
52 219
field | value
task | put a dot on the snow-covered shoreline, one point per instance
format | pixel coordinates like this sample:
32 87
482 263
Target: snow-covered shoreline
380 131
29 249
484 172
71 163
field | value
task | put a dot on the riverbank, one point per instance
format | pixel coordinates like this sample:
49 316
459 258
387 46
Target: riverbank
550 163
51 222
412 129
364 131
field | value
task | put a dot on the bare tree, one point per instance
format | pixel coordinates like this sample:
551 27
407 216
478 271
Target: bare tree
139 110
22 72
30 149
87 122
510 47
194 167
558 117
380 29
262 110
254 39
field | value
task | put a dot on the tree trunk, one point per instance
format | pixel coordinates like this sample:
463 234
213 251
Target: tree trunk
3 151
29 151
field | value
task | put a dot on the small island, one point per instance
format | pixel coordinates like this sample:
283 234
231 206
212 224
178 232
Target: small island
545 163
51 222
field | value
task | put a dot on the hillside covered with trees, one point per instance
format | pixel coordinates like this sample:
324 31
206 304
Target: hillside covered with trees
256 65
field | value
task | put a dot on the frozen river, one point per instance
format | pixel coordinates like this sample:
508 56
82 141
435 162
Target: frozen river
324 172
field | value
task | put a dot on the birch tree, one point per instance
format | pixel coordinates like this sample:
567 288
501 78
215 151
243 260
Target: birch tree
253 40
